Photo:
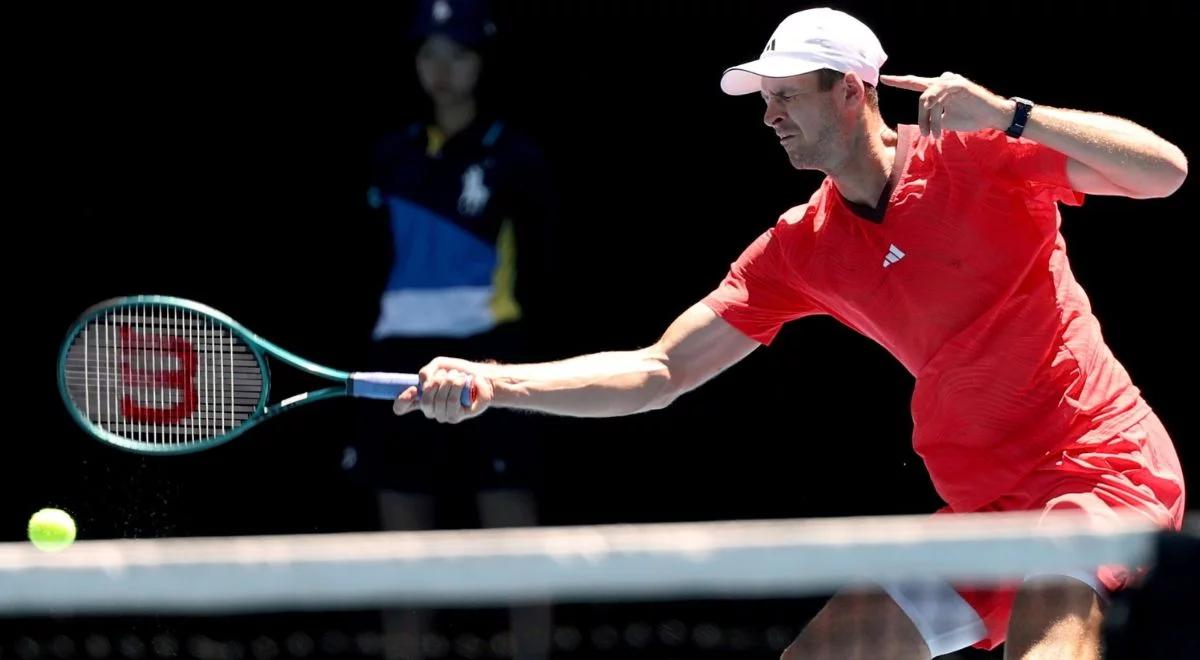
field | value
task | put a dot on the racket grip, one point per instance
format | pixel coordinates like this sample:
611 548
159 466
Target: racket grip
387 386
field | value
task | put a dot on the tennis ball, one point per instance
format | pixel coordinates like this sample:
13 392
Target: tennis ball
51 530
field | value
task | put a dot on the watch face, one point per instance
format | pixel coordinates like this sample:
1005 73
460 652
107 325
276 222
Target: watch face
1019 117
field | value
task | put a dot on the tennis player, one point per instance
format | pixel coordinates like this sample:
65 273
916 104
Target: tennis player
940 241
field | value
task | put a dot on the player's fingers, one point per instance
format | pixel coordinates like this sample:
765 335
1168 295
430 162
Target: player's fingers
933 96
451 404
442 407
923 108
914 83
429 395
406 402
939 109
454 406
423 377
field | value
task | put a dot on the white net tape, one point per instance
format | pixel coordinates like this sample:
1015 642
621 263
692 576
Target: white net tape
729 559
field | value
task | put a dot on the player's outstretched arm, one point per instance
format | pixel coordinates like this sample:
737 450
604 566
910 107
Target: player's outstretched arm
697 346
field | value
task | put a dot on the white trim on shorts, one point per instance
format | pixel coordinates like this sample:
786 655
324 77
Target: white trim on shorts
945 620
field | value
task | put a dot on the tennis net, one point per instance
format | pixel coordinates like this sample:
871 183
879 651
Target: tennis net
665 590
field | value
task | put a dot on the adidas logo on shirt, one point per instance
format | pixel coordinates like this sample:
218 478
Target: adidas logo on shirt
894 254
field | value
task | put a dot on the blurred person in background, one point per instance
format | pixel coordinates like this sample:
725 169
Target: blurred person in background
468 201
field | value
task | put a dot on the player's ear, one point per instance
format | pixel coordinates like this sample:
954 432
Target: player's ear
851 90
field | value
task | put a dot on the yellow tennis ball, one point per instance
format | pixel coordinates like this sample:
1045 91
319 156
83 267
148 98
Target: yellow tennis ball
51 530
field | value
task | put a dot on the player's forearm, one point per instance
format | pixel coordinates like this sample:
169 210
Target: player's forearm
1130 156
598 385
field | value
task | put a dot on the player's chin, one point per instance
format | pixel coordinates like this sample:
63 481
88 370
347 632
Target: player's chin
801 161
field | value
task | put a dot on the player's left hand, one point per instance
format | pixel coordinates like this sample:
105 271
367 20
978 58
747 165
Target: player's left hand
950 102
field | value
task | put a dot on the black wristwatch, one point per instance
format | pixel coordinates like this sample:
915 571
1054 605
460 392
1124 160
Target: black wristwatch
1021 117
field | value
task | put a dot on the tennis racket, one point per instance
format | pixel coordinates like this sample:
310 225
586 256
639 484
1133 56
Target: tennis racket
163 375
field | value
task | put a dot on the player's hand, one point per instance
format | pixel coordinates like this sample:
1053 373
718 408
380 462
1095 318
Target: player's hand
950 102
438 393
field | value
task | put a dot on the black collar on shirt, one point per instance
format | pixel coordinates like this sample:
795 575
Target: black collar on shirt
871 213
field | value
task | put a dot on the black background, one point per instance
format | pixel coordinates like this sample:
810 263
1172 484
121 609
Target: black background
220 155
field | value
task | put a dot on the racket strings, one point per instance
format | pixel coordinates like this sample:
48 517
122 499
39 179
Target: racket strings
162 376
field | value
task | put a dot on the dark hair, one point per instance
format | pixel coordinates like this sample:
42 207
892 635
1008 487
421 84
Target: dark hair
827 77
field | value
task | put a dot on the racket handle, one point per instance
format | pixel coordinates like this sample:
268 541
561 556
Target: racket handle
388 386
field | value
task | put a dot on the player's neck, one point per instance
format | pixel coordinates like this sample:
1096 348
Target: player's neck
453 118
864 175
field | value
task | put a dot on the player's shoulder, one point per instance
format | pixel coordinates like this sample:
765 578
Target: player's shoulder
807 212
797 215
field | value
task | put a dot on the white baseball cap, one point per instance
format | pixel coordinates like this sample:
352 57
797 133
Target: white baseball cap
806 41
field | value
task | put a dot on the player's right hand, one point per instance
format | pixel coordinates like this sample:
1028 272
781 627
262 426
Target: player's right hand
438 393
